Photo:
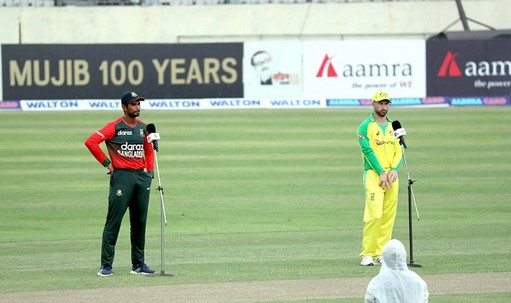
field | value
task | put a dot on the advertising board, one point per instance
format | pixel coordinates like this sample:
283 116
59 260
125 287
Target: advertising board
469 68
356 69
92 71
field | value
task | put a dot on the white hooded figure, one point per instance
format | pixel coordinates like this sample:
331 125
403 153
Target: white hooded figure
396 283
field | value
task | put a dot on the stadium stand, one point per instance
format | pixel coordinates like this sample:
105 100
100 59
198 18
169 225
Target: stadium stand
38 3
43 3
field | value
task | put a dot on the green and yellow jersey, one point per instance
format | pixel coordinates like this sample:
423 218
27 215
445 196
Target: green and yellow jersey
381 151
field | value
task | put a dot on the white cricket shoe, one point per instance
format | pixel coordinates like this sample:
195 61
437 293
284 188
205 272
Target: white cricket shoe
367 261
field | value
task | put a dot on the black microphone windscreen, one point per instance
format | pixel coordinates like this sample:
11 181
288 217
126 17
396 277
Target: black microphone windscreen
396 125
151 128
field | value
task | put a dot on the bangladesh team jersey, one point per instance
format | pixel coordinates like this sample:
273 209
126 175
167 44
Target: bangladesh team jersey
127 146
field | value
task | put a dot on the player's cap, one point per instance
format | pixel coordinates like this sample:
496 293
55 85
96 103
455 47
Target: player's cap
381 96
129 96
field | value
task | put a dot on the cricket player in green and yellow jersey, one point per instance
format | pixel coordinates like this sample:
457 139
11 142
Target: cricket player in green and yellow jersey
131 168
382 156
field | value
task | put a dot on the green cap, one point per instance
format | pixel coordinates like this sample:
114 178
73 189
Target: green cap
129 96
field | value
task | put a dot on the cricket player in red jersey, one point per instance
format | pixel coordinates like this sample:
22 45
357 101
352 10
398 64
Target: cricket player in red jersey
382 156
131 168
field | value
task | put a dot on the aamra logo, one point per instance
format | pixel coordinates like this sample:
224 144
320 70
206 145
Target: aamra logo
449 67
327 68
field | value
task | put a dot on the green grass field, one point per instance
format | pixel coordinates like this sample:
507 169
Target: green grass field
254 195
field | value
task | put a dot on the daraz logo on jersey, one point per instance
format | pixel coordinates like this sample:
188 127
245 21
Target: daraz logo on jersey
125 133
131 150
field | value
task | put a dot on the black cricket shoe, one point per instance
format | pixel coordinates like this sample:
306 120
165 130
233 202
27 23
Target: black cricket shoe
142 269
106 271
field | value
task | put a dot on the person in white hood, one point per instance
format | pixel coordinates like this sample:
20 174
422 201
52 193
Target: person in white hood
396 283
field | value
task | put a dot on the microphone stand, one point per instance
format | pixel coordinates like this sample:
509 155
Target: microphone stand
411 197
163 220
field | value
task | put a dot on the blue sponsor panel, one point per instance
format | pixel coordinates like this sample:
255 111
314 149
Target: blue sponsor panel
406 101
466 101
480 101
172 104
503 100
296 103
233 103
10 105
104 104
436 101
342 102
55 105
194 104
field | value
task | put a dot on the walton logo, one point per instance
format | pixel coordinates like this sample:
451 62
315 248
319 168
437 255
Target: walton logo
330 70
449 67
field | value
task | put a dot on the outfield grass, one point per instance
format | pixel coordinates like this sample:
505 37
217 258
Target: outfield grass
253 195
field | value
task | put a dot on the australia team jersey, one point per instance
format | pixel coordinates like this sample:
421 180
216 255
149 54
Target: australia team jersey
380 149
127 146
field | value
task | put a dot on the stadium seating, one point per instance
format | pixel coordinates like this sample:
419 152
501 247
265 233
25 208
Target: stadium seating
42 3
38 3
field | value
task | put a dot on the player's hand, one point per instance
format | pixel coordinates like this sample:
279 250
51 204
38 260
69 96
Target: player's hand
392 176
110 170
384 181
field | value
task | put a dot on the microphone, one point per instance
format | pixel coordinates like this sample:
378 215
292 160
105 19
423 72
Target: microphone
153 135
399 132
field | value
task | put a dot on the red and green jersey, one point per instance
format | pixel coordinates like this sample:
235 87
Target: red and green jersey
127 146
380 149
